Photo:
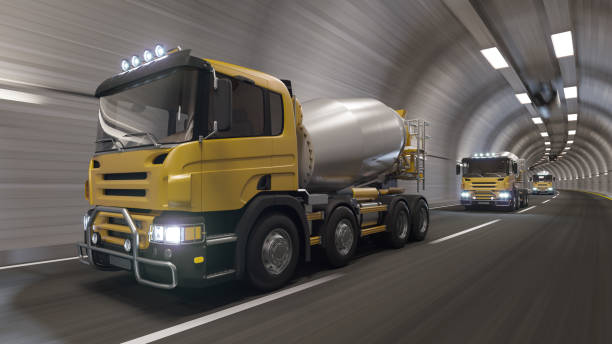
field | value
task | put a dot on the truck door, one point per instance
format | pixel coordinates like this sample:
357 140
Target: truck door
251 156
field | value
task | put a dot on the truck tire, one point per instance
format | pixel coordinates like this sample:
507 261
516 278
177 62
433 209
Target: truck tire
420 221
398 225
272 252
340 236
517 197
512 205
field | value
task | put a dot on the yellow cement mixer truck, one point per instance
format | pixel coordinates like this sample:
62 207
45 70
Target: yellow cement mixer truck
493 180
206 171
543 184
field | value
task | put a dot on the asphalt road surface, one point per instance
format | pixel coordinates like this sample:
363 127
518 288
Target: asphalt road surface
540 276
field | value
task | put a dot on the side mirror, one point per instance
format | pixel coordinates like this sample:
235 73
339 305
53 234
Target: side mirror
554 179
514 168
530 179
222 105
458 169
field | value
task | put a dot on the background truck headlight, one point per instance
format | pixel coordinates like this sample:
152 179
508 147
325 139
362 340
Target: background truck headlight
176 234
504 195
465 194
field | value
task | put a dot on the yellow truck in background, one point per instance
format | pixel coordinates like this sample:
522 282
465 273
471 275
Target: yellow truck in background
493 179
206 171
543 184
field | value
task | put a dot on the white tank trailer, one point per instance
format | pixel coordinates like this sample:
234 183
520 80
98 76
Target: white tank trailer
346 142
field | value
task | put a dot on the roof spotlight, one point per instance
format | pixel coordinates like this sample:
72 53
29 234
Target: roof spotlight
135 61
159 50
125 65
148 55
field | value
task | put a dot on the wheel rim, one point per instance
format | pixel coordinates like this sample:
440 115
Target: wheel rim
423 219
344 237
276 251
402 224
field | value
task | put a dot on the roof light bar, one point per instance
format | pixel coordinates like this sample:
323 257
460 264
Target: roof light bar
562 42
495 58
148 56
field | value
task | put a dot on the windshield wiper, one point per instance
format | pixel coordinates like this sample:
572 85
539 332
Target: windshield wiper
149 135
113 140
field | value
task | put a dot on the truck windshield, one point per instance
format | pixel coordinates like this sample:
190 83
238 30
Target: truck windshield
545 178
160 111
486 167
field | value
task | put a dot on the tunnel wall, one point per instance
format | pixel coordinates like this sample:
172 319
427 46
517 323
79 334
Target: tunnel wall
45 145
408 54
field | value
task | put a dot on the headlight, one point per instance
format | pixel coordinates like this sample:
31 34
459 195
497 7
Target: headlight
176 234
504 195
550 189
85 221
465 194
535 189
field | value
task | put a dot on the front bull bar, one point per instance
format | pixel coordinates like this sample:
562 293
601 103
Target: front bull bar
134 258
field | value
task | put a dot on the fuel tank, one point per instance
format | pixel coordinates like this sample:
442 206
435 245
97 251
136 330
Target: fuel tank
345 142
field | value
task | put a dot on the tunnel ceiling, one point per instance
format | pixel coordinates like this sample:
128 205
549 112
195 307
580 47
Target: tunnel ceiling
420 55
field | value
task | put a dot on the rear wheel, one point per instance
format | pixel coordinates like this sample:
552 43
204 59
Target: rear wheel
398 225
340 237
272 252
420 221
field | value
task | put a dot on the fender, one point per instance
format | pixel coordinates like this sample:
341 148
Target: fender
254 209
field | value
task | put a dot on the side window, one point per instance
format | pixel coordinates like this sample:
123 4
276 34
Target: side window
276 114
247 110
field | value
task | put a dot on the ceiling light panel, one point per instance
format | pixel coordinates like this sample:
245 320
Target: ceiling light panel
562 42
523 98
570 92
495 58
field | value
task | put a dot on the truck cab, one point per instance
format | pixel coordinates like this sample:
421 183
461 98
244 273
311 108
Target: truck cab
543 184
492 180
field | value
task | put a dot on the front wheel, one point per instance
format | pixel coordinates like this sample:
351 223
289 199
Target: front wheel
272 252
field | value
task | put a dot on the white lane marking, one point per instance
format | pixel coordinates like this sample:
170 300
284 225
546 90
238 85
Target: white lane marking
445 206
464 232
524 210
546 201
229 311
36 263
